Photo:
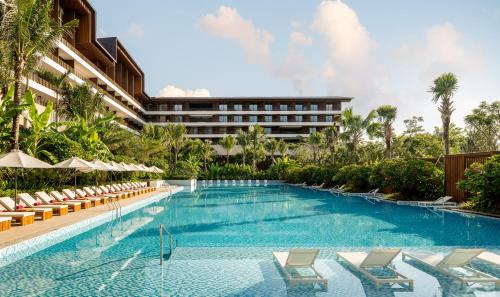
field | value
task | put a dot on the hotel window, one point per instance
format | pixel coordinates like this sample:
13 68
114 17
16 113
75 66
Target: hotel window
328 118
223 107
238 119
178 119
268 107
163 107
222 119
314 118
314 106
298 107
329 107
283 107
193 130
298 118
178 107
208 130
268 118
162 119
312 129
284 119
238 107
252 107
267 131
253 119
223 130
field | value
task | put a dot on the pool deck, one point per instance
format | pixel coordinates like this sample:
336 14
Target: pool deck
19 234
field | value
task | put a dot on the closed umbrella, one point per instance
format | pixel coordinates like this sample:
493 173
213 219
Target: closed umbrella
77 164
17 159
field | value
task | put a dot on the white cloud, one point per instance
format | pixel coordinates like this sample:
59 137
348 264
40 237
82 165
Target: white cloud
228 23
299 38
173 91
136 30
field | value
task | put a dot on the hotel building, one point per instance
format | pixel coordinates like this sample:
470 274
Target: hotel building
111 70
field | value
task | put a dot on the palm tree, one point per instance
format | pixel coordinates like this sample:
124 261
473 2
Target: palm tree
30 34
256 136
228 143
443 90
243 141
315 139
272 146
177 136
58 83
386 116
206 152
355 128
331 138
282 148
81 102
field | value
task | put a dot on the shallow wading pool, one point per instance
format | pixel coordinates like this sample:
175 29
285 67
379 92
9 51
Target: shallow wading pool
225 237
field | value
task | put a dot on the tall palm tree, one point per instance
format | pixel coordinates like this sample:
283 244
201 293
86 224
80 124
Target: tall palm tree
58 83
387 115
256 136
243 141
228 143
443 90
272 146
30 34
81 102
315 139
206 153
282 148
331 138
355 128
177 136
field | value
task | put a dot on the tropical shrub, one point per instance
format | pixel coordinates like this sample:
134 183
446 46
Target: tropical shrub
281 168
355 177
482 181
227 171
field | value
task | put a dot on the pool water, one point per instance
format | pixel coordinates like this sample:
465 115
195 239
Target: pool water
225 237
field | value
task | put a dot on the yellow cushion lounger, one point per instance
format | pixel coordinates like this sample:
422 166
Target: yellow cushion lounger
296 262
455 264
27 199
23 218
367 263
9 204
5 223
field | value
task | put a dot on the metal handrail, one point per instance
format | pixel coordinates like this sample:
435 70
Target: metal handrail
170 243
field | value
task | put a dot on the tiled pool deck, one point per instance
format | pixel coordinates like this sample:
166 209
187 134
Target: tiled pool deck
20 242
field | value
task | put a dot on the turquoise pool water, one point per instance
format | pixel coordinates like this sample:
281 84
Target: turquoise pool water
225 238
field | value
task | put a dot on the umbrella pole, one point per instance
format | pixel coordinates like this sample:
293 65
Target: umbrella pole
15 189
75 182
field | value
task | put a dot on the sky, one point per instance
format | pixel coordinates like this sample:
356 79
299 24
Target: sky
379 52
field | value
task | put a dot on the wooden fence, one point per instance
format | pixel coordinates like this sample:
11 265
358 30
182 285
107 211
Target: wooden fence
454 168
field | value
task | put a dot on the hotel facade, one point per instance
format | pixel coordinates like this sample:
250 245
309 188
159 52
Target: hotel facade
110 69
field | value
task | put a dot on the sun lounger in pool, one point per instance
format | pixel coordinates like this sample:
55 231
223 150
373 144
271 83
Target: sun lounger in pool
85 204
376 265
46 199
9 204
442 201
73 196
31 202
5 223
298 266
23 218
490 258
456 264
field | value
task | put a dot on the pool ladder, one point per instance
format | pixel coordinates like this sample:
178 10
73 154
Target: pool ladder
115 207
171 246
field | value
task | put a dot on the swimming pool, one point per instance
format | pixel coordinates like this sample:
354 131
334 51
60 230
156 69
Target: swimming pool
225 238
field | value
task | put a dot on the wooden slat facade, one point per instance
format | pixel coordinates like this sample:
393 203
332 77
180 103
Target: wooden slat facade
454 168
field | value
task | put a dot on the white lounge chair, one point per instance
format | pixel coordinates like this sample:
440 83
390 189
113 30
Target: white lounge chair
338 190
85 204
317 188
298 266
45 198
455 264
490 258
442 201
73 196
10 205
376 260
31 202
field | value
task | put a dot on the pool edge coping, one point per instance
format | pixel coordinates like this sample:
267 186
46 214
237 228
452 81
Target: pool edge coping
25 248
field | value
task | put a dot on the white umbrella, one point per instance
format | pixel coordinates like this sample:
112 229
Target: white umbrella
157 170
144 168
76 164
17 159
102 166
127 167
117 167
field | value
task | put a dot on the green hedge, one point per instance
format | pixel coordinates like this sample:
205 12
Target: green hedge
355 177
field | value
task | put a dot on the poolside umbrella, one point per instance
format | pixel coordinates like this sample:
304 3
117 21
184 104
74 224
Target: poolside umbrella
76 164
101 166
157 170
17 159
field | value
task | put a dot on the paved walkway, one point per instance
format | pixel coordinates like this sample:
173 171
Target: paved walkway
18 234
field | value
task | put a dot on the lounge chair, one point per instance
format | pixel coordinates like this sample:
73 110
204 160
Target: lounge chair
73 196
298 266
84 195
378 260
455 264
317 188
338 190
442 201
46 199
23 218
10 205
105 190
490 258
31 202
85 203
5 223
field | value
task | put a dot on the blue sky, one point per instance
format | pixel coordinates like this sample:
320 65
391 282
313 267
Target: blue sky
380 52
